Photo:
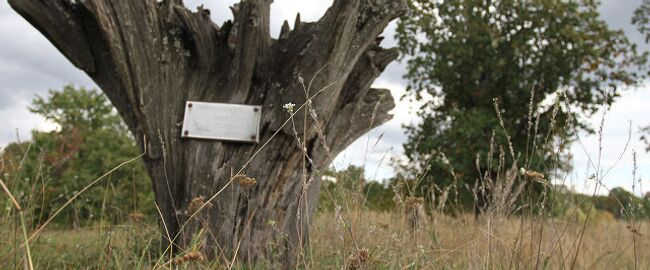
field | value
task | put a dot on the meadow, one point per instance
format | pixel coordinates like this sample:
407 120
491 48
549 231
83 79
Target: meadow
383 240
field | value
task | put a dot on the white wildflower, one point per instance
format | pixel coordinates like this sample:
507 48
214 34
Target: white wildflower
289 107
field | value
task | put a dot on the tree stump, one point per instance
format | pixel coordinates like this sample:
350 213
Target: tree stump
151 56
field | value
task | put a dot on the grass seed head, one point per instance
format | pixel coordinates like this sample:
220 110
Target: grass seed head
532 174
358 259
196 204
413 201
245 181
138 217
193 256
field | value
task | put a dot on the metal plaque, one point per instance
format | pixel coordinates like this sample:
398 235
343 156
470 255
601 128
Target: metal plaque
221 121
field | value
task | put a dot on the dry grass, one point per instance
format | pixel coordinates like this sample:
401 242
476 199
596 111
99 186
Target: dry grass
384 241
463 243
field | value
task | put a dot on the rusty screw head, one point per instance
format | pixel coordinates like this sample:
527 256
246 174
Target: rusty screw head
253 137
186 133
256 110
189 105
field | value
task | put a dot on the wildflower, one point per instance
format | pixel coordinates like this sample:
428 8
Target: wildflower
289 107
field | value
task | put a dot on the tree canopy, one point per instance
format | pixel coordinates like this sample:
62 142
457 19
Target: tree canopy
507 78
642 21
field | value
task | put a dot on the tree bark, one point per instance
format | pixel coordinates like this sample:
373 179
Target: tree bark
150 57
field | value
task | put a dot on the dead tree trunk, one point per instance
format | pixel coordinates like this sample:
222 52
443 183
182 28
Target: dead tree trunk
151 56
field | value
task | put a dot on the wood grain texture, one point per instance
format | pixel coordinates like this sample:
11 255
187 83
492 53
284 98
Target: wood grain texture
150 57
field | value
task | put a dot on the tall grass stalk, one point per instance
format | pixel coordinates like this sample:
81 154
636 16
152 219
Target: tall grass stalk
23 225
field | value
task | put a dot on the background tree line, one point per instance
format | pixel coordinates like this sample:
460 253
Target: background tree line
346 186
53 166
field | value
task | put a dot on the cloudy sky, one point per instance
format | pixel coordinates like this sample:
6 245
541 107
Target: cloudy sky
30 65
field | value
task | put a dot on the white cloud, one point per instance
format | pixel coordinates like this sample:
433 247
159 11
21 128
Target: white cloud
280 10
21 123
631 107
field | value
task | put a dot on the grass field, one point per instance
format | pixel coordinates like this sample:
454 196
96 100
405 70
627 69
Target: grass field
382 241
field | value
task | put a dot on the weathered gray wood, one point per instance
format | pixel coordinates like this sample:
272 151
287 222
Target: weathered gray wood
150 58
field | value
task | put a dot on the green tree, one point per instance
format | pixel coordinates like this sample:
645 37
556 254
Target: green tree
544 63
642 21
90 140
349 188
627 205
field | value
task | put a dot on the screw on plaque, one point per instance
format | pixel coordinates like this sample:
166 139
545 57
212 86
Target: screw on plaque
254 138
189 105
256 110
186 133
